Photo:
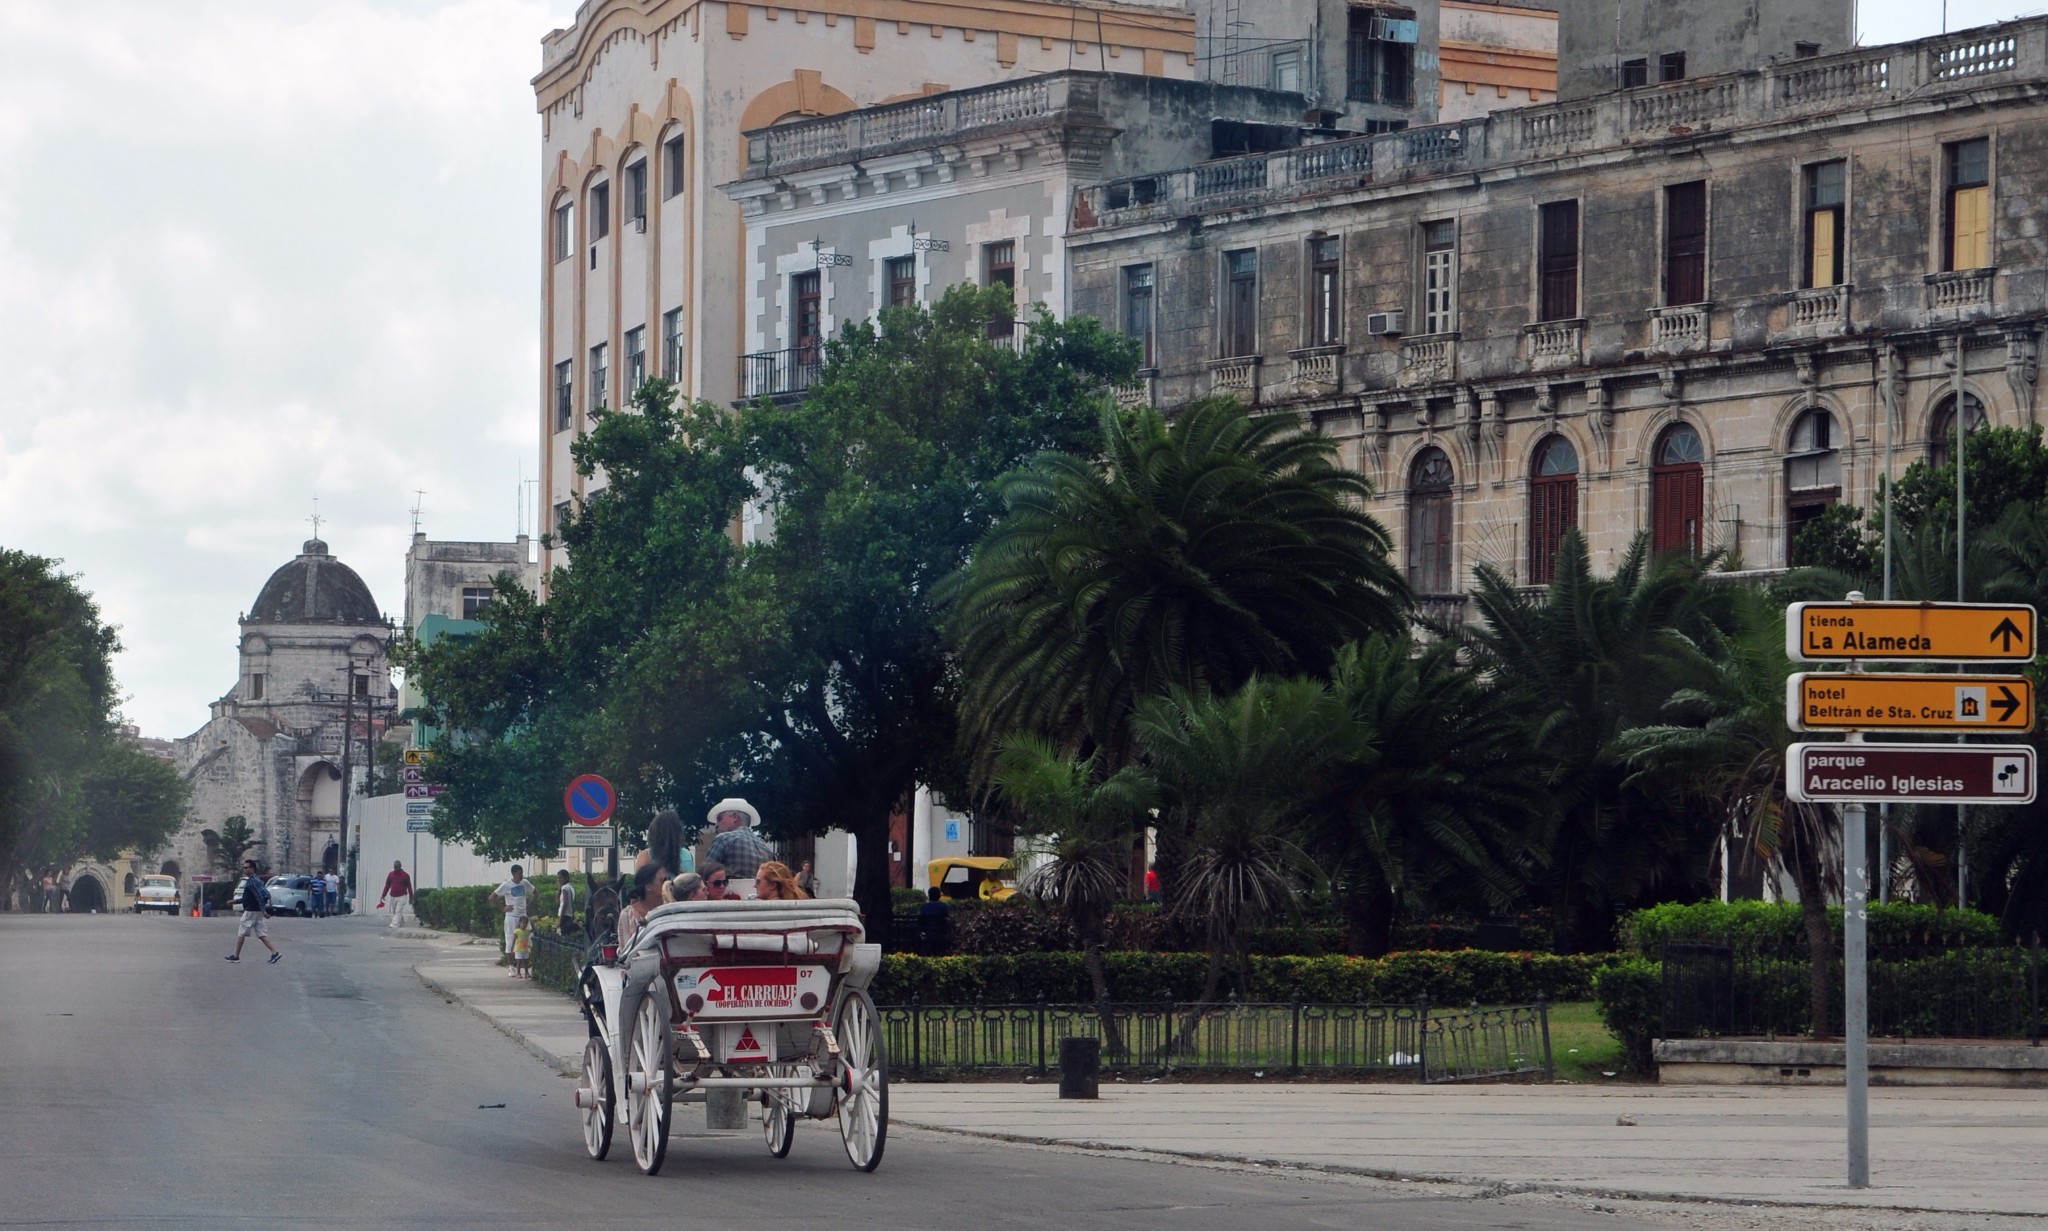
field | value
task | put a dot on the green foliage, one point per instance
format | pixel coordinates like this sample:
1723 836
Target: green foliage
2008 466
1752 926
459 908
1444 978
70 785
1631 997
1838 540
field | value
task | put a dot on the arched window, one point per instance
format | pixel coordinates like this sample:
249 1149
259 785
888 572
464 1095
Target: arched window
1677 490
1553 505
1813 473
1942 428
1429 523
128 884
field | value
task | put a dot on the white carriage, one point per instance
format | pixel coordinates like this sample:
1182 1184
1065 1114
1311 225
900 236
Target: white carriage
766 997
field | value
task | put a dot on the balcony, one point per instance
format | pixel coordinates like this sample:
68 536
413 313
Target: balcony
780 375
1431 359
1316 371
873 131
1675 331
1961 293
1142 391
1239 376
1555 344
1821 312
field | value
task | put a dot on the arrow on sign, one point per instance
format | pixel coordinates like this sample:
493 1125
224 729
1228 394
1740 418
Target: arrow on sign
2005 703
2006 632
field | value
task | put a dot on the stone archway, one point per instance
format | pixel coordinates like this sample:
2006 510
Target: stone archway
87 894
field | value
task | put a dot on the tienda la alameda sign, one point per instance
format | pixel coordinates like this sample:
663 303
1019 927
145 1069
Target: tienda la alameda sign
1910 773
1918 632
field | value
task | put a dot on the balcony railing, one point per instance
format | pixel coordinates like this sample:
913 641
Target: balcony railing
1814 88
1679 329
1822 309
1961 291
780 373
863 133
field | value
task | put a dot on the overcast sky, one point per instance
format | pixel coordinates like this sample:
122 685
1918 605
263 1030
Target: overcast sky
253 252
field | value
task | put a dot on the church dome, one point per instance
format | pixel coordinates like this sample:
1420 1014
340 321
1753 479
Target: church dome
315 588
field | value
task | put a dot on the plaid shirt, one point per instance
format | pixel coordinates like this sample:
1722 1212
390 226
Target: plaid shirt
742 851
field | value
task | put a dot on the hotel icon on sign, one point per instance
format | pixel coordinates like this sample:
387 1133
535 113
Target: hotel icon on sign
1970 704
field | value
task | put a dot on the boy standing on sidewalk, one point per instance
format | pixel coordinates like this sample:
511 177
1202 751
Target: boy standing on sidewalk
255 898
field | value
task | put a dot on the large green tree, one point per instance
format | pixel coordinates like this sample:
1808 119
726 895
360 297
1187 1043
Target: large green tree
1188 554
806 669
70 785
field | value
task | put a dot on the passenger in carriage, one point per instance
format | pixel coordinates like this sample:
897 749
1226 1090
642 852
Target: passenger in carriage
774 882
716 882
689 887
634 914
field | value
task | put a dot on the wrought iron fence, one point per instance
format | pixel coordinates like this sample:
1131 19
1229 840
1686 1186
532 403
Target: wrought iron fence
781 373
1293 1038
1714 988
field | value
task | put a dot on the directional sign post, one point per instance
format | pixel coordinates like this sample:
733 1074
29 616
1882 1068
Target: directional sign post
1910 773
1854 701
1919 632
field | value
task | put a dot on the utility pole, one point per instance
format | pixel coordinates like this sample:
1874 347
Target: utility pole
1962 454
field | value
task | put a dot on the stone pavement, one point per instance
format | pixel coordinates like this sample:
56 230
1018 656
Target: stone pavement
1946 1151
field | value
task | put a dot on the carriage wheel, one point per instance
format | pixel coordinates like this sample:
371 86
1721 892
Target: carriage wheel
864 1080
594 1095
652 1087
778 1119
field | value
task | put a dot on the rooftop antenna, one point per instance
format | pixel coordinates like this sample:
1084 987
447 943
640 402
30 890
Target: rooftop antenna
419 499
316 519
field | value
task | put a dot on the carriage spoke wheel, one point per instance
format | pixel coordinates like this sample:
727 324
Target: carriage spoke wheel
863 1080
778 1118
594 1095
652 1088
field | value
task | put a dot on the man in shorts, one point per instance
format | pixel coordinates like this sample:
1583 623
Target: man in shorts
254 922
514 895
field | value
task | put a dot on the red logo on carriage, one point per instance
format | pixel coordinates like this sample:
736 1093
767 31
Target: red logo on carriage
762 987
748 1047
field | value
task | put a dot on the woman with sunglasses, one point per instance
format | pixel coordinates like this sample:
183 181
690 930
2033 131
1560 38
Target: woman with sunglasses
717 882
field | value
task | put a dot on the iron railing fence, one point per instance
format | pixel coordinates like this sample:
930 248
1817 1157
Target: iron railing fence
1291 1038
1714 989
781 373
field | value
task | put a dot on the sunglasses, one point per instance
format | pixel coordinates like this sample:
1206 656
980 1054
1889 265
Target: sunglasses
717 884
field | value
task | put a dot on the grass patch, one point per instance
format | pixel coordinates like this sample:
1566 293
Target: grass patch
1581 1045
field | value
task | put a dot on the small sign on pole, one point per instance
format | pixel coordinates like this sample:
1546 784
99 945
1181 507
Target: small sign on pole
1854 701
1910 773
589 800
588 835
1920 632
419 824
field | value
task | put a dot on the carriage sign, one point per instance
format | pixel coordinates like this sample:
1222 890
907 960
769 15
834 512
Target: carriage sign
754 989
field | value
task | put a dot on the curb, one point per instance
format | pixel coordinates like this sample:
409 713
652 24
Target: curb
564 1065
1480 1187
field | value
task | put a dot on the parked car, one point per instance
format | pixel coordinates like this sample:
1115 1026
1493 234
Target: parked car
291 895
156 891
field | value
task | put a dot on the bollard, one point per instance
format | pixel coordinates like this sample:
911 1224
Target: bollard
1080 1067
725 1110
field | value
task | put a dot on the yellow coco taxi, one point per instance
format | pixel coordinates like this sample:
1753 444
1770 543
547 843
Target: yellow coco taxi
988 877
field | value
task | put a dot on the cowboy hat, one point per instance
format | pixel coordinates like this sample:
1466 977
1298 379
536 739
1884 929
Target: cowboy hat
733 805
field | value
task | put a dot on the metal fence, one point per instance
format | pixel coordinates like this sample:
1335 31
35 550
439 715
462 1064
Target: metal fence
1714 988
1287 1038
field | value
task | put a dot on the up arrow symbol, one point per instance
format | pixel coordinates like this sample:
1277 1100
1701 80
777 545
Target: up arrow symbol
2005 633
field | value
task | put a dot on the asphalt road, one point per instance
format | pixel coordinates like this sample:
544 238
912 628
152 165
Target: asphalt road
144 1082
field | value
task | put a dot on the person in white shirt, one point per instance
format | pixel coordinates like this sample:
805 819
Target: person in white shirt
514 894
333 894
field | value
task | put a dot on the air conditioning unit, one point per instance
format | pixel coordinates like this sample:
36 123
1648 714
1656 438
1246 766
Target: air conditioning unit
1385 324
640 223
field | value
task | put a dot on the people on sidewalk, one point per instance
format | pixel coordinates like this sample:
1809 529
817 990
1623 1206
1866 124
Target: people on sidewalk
255 898
333 893
522 949
397 891
515 896
565 904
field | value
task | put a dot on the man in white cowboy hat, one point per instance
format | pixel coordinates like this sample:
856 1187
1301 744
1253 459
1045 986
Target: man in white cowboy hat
737 846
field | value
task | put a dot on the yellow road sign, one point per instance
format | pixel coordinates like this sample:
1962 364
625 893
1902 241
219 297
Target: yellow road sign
1838 701
412 756
1923 632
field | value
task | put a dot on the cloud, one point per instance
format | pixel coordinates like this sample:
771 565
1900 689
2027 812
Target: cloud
254 253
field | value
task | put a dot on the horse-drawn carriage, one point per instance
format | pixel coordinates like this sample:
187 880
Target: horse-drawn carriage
765 997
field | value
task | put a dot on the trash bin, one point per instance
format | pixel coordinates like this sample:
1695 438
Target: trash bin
1080 1067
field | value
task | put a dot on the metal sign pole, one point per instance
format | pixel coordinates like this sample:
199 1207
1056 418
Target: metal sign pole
1855 991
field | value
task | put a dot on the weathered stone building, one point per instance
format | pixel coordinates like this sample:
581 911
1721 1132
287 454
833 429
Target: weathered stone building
1702 309
312 659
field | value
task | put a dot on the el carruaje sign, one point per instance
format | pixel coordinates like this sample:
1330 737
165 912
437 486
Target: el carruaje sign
1920 632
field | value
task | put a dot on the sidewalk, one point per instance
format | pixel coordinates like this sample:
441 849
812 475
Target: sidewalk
1957 1152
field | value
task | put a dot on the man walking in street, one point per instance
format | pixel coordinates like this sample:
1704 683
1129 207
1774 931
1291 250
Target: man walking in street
397 891
514 894
49 893
737 847
333 893
255 901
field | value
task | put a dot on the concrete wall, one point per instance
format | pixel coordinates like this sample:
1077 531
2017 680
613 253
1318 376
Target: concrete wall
437 571
1494 55
1595 37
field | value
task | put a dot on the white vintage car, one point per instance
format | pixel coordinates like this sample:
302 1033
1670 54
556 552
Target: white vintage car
156 891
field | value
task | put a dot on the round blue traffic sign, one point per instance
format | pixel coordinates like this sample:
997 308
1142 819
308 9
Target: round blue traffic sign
589 800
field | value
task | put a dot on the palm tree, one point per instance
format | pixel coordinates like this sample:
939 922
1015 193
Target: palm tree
1587 661
1724 743
1189 555
1087 821
1445 806
1237 774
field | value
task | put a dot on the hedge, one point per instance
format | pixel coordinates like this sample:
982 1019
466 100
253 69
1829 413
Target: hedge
1630 995
1778 928
1444 978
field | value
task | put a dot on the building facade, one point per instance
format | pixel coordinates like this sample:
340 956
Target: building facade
1704 309
643 104
1605 47
1495 54
312 690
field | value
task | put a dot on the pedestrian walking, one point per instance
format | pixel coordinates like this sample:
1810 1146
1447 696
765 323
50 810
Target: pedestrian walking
49 893
397 891
565 904
514 895
316 898
737 847
333 892
255 896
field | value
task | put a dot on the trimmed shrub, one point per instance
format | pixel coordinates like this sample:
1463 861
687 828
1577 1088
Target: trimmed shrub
459 908
1630 993
1776 927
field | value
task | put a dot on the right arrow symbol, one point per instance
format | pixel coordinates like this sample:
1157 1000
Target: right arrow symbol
2006 703
2005 633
